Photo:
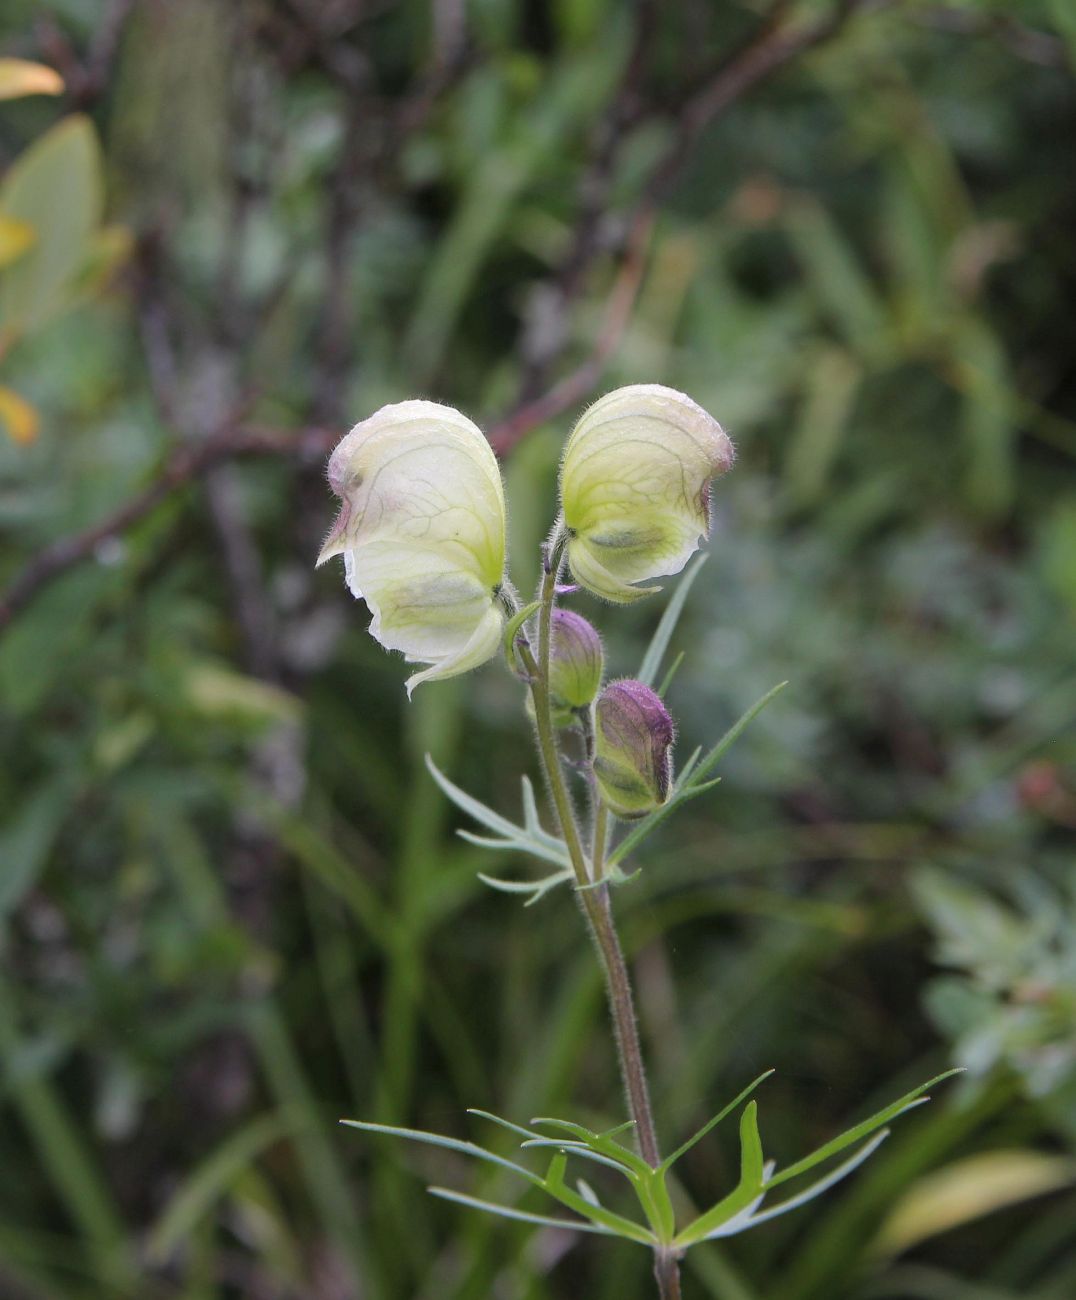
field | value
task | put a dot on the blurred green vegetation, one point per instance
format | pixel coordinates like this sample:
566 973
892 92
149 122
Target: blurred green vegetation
232 908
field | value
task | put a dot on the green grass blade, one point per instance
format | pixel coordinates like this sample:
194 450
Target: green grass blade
733 734
674 668
659 642
196 1196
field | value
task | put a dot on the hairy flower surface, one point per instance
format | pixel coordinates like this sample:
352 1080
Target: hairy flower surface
575 665
633 736
422 532
635 488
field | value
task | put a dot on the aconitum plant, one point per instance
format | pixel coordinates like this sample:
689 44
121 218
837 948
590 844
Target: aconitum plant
422 532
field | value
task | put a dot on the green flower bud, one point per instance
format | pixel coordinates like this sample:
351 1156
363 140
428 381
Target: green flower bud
633 736
635 488
575 665
422 533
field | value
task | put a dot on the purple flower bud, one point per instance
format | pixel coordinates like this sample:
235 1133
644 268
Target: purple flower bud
575 665
632 748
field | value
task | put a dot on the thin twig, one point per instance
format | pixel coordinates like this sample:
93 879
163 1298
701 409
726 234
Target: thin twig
772 49
575 387
185 465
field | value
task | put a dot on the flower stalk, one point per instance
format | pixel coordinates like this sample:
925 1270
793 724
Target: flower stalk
596 903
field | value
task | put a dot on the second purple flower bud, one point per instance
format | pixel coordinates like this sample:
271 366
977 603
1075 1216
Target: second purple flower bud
633 736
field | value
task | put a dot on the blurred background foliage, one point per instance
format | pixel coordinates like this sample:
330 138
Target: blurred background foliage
232 908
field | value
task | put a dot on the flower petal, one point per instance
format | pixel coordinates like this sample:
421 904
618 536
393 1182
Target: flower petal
635 487
422 532
484 643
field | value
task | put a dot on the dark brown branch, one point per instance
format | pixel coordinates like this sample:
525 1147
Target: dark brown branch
86 78
1041 48
186 464
773 48
575 387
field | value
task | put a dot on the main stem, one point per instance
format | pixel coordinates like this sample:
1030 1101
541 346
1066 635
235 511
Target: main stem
598 910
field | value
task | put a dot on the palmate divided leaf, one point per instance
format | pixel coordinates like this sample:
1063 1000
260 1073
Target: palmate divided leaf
739 1209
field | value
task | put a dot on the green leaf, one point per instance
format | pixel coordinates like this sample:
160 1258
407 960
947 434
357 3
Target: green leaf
657 1205
659 642
669 1161
450 1144
674 668
56 187
853 1135
210 1179
555 1185
473 807
506 1212
966 1190
746 1191
822 1185
733 734
512 627
579 1149
530 838
27 841
536 888
599 1142
504 1123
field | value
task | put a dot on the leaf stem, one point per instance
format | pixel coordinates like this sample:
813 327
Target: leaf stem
595 902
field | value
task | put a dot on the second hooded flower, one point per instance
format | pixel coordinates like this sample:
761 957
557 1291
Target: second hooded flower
635 487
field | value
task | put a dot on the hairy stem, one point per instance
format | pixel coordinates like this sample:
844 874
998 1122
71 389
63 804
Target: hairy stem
597 907
667 1272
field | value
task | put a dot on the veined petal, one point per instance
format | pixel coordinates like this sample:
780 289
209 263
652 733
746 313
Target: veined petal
484 643
635 487
422 531
592 574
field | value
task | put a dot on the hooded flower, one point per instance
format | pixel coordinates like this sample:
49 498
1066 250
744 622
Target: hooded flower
635 487
633 736
422 532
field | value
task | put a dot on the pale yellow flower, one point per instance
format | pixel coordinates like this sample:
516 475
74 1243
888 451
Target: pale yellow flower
635 488
422 532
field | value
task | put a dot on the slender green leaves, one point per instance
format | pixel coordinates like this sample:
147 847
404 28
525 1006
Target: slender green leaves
862 1130
669 1161
659 642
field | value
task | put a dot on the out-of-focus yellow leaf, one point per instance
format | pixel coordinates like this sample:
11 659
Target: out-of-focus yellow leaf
109 248
216 691
17 415
56 187
20 77
15 238
967 1190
